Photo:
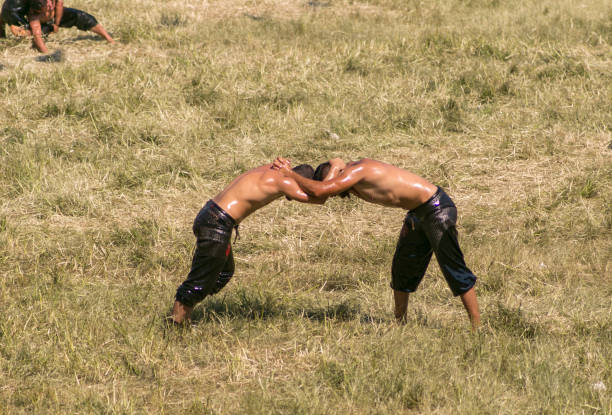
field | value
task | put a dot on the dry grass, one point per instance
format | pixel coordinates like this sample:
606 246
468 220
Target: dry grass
107 155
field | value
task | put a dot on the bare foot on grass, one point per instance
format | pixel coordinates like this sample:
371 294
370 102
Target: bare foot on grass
99 29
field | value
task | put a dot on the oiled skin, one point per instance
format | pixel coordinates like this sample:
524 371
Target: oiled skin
386 185
371 180
244 195
256 188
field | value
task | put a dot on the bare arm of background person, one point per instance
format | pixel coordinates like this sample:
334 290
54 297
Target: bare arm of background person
37 40
59 12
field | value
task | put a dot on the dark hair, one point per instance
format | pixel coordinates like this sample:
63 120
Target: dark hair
37 5
304 170
322 171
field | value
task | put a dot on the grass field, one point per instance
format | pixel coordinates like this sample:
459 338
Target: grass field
107 155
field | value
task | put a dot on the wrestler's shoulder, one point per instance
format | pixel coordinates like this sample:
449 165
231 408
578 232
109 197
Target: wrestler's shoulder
268 175
367 162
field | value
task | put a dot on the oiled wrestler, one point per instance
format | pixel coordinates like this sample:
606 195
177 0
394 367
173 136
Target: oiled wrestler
213 263
429 226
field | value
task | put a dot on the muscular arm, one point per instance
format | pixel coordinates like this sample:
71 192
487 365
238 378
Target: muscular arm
349 177
291 189
59 11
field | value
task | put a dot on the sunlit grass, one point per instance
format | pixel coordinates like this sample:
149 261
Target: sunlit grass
107 155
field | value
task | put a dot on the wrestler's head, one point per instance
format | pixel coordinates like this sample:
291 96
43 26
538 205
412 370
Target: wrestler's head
304 170
321 173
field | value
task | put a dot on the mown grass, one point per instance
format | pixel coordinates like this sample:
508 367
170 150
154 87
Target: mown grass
107 155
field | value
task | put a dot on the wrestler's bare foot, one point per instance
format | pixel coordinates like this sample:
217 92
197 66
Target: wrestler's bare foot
181 313
98 29
20 31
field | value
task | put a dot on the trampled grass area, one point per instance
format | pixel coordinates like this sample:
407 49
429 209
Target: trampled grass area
107 155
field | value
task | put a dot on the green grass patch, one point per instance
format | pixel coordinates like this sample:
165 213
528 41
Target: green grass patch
107 156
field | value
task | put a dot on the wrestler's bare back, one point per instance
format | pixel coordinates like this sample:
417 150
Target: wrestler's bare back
249 192
388 185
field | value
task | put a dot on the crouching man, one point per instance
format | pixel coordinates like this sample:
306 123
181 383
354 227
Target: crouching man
429 226
40 17
213 263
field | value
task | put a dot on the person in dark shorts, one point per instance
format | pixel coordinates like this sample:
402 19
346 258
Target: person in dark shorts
213 263
40 17
429 226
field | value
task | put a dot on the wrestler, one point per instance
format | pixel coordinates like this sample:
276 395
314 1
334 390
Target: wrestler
429 225
37 17
213 262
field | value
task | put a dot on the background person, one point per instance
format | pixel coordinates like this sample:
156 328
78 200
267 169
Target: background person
37 17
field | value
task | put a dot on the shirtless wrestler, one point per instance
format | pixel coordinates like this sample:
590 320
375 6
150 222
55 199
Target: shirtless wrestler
37 17
429 226
213 262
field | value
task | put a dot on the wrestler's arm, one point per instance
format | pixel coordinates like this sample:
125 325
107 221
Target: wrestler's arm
293 192
59 12
37 40
349 177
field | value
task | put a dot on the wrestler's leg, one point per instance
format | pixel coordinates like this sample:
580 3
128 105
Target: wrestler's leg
83 21
442 233
226 273
201 280
401 305
459 277
412 255
470 302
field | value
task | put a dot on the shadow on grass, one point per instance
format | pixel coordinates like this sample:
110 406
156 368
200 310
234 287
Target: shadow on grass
85 37
247 305
514 322
55 57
